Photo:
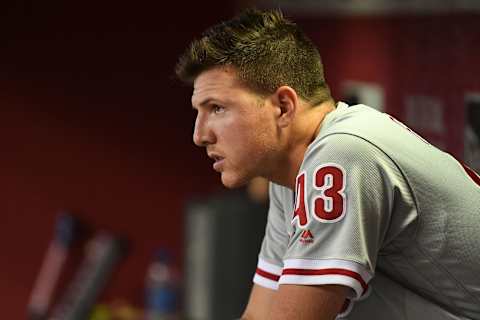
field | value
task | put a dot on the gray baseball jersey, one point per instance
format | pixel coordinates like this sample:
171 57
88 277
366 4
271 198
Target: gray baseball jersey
373 196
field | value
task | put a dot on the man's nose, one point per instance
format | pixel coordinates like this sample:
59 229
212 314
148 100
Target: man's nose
203 135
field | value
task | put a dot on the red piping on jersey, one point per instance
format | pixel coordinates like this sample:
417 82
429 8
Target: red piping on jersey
471 173
267 275
319 272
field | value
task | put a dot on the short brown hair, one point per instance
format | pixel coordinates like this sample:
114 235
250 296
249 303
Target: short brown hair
266 49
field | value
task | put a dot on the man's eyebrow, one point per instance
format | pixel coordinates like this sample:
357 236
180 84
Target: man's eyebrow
204 102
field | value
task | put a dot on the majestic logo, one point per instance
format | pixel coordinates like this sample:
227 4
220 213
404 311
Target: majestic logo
306 236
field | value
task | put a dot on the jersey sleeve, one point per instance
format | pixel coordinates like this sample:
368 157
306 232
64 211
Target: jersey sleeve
274 245
345 192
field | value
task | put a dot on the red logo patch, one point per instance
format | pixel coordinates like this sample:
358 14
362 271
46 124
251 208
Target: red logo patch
306 236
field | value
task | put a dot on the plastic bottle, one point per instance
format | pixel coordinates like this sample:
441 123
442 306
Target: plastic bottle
162 288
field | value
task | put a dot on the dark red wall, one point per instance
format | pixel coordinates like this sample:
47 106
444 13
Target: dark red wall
92 121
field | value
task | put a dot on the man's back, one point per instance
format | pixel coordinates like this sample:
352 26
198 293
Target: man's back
436 252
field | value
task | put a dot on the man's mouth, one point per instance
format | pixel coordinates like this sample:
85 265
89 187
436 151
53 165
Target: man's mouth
218 162
218 165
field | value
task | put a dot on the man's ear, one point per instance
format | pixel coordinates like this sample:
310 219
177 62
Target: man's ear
286 102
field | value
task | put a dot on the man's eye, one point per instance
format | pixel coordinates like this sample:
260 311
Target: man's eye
218 109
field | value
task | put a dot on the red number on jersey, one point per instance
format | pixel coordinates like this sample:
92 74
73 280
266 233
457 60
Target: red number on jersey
330 205
300 212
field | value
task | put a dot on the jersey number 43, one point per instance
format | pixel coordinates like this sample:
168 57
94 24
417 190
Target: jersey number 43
328 204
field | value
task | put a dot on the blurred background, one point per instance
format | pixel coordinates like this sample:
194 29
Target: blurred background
100 180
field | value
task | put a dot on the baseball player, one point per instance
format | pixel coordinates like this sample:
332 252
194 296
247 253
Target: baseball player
367 220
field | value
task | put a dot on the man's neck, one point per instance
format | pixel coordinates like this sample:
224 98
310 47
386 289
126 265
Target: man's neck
304 132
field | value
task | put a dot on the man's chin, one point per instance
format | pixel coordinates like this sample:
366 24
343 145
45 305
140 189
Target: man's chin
232 182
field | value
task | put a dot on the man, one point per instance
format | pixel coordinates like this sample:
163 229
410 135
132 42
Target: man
354 195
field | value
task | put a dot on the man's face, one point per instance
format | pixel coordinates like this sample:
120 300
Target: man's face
236 126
